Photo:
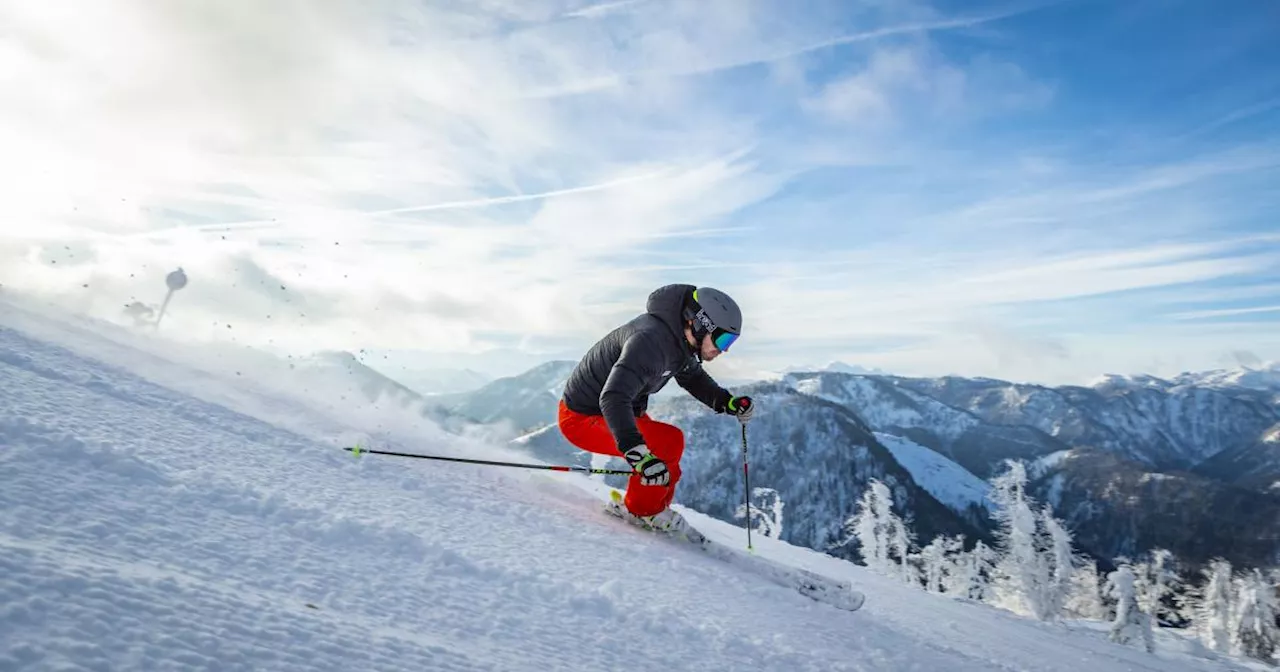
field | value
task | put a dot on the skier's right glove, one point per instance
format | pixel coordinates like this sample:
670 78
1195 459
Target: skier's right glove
652 470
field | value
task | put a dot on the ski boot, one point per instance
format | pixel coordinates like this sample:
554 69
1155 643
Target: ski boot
667 521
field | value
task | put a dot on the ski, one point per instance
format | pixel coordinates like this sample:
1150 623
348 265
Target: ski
812 585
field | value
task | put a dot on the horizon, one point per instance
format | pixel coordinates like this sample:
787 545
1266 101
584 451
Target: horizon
1044 191
392 372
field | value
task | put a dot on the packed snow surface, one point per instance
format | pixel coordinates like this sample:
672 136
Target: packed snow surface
167 507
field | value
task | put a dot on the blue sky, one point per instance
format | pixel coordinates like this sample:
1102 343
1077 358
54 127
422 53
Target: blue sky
1042 191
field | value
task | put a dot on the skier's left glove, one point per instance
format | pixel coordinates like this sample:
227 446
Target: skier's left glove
742 407
652 470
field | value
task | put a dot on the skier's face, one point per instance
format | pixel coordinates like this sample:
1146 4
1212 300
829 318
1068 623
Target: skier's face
709 349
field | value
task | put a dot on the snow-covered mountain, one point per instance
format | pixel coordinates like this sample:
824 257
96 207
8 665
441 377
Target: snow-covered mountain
1147 430
831 367
947 481
523 402
1255 465
994 421
1116 507
1265 378
362 382
979 445
373 385
1162 426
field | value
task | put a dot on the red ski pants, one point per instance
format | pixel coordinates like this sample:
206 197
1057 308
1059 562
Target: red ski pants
591 433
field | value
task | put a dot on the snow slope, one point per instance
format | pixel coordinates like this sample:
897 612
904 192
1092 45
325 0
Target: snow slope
947 481
159 514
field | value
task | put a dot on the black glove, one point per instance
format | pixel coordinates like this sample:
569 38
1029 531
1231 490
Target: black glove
652 470
742 407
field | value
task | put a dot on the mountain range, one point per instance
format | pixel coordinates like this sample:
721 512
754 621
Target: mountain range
506 407
344 371
1157 423
1115 508
521 403
1191 464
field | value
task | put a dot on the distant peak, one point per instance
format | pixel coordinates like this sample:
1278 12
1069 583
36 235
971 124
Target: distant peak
1263 376
833 367
555 367
334 357
1113 381
844 367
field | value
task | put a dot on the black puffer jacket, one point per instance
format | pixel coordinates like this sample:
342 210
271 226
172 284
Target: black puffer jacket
619 373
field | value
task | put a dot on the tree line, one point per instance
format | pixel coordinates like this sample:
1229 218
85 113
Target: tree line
1033 569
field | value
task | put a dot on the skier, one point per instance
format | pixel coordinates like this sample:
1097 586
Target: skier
604 406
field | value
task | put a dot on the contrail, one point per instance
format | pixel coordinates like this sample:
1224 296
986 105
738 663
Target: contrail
450 205
499 200
614 79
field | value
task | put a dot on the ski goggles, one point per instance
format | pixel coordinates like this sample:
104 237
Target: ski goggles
721 338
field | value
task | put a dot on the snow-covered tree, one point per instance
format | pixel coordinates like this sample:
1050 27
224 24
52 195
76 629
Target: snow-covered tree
871 525
1131 623
1036 562
938 561
1156 581
882 535
1062 561
971 573
1085 600
1187 606
1213 611
1018 572
1253 618
902 541
766 512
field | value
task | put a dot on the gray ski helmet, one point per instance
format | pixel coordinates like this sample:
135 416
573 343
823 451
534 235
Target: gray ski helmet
717 314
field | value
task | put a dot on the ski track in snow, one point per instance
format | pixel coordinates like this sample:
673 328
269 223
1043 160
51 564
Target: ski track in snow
142 528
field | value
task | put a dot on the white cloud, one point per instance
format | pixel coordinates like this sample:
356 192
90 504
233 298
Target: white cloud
912 83
884 291
866 97
374 157
986 314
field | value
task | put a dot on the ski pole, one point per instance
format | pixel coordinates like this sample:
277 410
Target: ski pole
746 482
358 451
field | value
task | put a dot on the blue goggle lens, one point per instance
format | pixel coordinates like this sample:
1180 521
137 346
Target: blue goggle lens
723 340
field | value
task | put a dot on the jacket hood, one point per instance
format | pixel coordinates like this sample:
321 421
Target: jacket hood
667 304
